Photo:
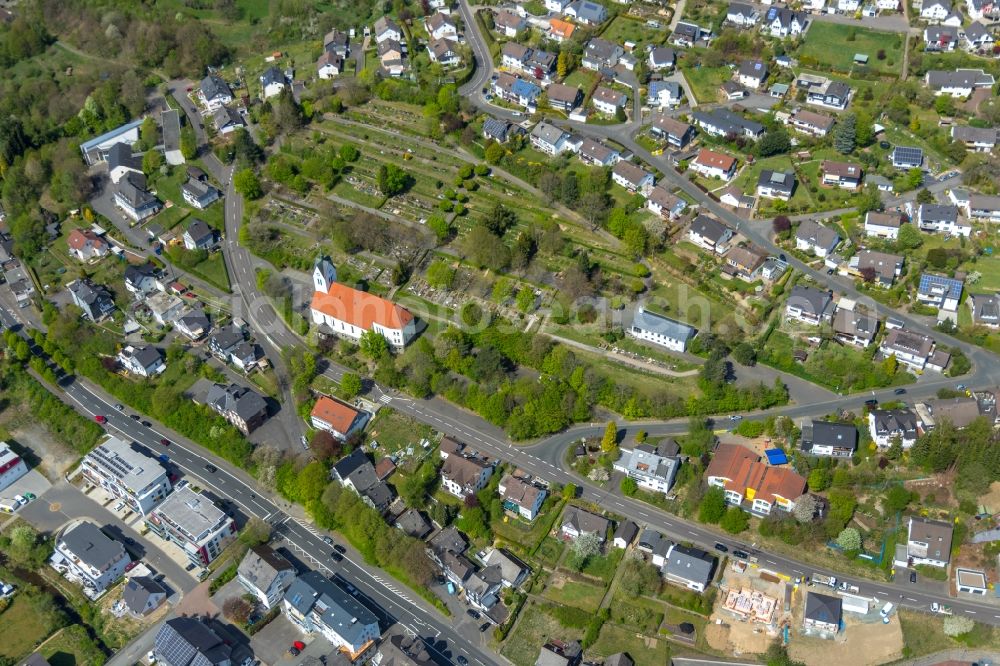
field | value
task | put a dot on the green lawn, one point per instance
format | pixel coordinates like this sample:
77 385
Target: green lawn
832 44
549 551
626 28
604 567
747 182
705 81
643 650
532 630
924 634
639 613
581 78
584 596
395 432
19 630
526 534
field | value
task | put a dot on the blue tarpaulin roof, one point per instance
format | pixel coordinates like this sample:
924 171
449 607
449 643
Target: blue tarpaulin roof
776 457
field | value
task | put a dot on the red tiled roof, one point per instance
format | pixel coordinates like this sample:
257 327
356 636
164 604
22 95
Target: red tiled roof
360 308
711 158
337 414
77 238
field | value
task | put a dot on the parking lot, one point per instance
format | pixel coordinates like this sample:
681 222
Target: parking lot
32 482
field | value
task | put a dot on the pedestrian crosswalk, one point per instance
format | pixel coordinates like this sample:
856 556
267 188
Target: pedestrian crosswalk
385 399
392 589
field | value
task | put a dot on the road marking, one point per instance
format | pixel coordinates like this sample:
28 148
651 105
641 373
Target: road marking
385 399
971 612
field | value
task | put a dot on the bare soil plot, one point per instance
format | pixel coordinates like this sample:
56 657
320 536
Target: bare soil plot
860 644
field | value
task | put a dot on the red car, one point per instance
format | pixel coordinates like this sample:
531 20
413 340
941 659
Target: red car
297 647
100 418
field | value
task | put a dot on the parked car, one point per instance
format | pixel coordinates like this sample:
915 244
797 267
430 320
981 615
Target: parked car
327 540
722 548
900 391
913 576
30 496
212 469
337 557
473 614
741 554
165 442
100 419
120 407
340 549
134 417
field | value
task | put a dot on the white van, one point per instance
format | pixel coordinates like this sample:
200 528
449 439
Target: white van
886 610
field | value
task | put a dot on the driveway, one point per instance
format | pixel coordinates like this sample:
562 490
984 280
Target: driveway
63 503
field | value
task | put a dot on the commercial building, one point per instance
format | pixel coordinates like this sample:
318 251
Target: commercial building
12 466
191 521
137 479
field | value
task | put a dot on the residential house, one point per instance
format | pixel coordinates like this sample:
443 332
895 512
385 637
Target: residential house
122 161
577 521
586 12
512 571
85 245
935 10
227 120
752 74
911 349
649 469
743 478
984 207
885 268
562 97
664 94
347 312
978 38
214 92
412 523
982 9
265 574
514 56
625 534
392 57
813 236
94 299
960 412
601 54
317 605
521 497
12 466
125 473
142 595
440 26
198 235
776 184
329 65
676 133
688 34
199 194
940 38
827 438
741 15
190 641
558 653
386 29
939 291
595 153
515 90
733 91
225 341
497 130
985 309
845 175
888 425
942 218
823 612
807 122
337 42
443 52
907 157
744 263
463 476
714 165
928 542
809 305
661 58
783 22
655 545
977 139
723 122
855 328
831 94
881 183
337 417
356 471
957 83
689 567
882 225
710 234
632 178
85 555
887 5
848 6
194 324
133 199
140 279
608 100
559 30
773 268
549 139
144 360
508 23
242 407
96 150
664 203
272 82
